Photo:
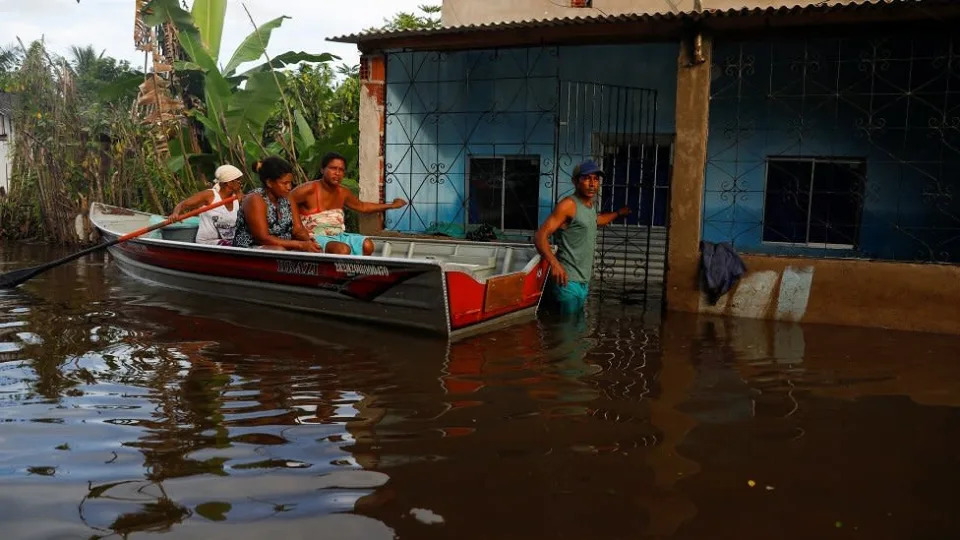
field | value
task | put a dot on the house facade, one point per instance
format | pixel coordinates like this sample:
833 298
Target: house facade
821 141
6 139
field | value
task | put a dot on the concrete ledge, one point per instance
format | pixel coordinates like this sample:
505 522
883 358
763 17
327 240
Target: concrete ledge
902 296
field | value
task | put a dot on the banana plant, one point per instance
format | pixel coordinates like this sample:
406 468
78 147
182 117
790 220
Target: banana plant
236 105
342 139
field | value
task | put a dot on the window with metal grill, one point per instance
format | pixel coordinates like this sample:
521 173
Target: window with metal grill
504 191
814 201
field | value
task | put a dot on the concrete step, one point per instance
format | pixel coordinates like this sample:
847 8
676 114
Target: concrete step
653 290
633 257
618 273
629 262
617 279
635 233
633 248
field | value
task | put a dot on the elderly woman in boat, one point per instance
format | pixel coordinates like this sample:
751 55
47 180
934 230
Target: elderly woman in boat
217 225
266 219
321 202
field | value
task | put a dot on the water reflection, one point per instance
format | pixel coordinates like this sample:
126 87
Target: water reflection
129 409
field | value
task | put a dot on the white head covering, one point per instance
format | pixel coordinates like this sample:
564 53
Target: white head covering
225 173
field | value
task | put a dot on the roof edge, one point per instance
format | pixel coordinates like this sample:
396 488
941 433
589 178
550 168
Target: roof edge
759 17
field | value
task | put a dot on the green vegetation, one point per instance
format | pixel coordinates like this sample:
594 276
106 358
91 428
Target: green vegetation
427 19
91 128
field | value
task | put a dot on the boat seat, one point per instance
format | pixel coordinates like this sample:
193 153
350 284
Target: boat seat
478 271
479 265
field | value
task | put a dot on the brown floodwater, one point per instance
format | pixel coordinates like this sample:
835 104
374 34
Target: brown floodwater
127 409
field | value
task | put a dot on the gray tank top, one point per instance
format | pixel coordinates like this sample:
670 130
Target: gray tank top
576 243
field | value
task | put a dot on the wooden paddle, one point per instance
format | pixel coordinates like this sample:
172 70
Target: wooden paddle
12 279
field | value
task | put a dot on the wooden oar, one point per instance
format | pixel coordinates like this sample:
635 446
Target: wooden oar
12 279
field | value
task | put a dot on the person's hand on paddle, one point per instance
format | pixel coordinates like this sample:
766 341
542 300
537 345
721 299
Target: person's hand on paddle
623 212
398 203
558 274
10 280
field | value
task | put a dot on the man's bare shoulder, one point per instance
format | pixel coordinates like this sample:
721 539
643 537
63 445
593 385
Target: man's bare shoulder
566 207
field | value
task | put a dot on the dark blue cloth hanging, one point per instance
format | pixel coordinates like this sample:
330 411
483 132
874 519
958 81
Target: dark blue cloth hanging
720 269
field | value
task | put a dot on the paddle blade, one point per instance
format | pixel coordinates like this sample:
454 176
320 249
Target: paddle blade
12 279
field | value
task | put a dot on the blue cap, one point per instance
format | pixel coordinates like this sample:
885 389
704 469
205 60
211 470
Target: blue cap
587 167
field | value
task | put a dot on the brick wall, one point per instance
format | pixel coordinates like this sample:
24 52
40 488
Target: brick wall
372 139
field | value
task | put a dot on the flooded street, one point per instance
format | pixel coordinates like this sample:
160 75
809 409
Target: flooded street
128 409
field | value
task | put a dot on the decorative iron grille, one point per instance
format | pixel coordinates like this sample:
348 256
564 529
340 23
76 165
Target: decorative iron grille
481 138
846 147
616 125
444 109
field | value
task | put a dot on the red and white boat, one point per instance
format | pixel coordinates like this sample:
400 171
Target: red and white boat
450 287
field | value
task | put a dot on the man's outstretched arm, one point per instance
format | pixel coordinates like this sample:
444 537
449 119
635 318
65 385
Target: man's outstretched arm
607 218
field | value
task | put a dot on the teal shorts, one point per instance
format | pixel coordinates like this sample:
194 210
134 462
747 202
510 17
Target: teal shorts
355 241
571 298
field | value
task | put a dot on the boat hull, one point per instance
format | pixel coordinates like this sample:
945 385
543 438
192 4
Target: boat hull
417 302
417 294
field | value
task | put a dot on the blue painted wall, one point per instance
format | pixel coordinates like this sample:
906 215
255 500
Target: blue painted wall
443 108
889 101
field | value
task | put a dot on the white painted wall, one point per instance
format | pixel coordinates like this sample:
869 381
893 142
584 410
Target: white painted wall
465 12
6 149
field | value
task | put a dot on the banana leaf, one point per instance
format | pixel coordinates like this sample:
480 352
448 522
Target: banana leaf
251 107
208 16
289 58
253 46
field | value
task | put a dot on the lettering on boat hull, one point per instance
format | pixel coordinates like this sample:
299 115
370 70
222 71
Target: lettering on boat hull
298 268
361 269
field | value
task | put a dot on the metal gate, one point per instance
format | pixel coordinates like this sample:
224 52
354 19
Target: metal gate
617 126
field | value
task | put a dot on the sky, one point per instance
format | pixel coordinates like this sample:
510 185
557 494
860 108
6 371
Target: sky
108 24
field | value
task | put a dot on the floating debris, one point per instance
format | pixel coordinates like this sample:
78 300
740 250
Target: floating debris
426 517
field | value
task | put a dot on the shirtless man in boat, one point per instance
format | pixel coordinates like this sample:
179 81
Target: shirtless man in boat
321 204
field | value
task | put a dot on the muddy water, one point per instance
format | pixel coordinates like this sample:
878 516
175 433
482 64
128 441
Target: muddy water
127 409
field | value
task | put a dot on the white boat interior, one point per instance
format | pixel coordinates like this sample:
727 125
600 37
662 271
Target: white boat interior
482 260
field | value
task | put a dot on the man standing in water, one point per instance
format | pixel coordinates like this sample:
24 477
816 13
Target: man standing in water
321 204
574 221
